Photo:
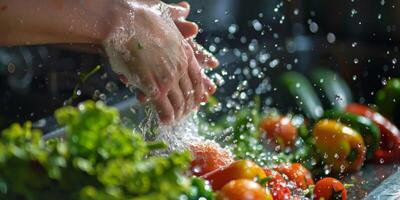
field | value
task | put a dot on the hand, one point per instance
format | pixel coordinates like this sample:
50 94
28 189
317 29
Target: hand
189 30
159 61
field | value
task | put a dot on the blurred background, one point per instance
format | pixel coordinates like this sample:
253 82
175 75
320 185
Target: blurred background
255 40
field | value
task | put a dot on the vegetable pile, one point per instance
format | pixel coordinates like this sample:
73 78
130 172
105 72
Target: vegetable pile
298 155
323 141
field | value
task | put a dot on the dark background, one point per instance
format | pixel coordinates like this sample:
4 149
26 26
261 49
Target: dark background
255 40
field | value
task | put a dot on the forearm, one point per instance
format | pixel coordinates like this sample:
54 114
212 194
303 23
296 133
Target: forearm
25 22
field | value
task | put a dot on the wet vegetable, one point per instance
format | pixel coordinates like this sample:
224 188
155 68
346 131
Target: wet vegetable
280 131
199 190
389 148
297 173
277 185
208 156
369 131
303 94
98 159
243 189
342 148
333 90
388 100
329 189
242 169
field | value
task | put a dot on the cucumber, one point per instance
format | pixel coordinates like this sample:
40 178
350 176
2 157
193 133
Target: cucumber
303 94
334 91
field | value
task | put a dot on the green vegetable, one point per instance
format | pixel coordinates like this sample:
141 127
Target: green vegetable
368 130
199 190
302 94
333 90
388 100
98 159
243 134
82 79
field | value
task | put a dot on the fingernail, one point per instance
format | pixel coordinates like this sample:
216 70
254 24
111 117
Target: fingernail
184 4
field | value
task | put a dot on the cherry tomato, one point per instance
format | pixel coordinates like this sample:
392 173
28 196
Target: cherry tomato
340 146
389 147
277 185
280 131
296 173
329 189
243 189
242 169
208 156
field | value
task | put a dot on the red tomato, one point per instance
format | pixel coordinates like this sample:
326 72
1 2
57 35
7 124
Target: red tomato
243 189
208 156
389 148
296 173
242 169
277 185
280 131
329 189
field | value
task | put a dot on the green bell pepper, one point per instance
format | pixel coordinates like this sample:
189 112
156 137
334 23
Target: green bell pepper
388 100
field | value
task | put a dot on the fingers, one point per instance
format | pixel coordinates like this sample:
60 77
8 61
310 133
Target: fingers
180 10
177 101
209 86
202 55
187 29
187 90
196 78
149 84
164 109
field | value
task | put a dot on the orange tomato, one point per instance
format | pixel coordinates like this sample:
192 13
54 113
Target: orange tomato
280 131
296 173
242 169
277 185
208 156
329 189
243 189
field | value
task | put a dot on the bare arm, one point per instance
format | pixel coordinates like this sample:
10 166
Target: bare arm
165 67
25 22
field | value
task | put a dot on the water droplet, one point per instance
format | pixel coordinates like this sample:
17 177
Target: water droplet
274 63
353 12
313 27
11 68
111 86
233 28
257 25
331 37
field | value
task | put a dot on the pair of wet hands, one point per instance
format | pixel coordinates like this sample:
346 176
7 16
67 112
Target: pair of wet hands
160 57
